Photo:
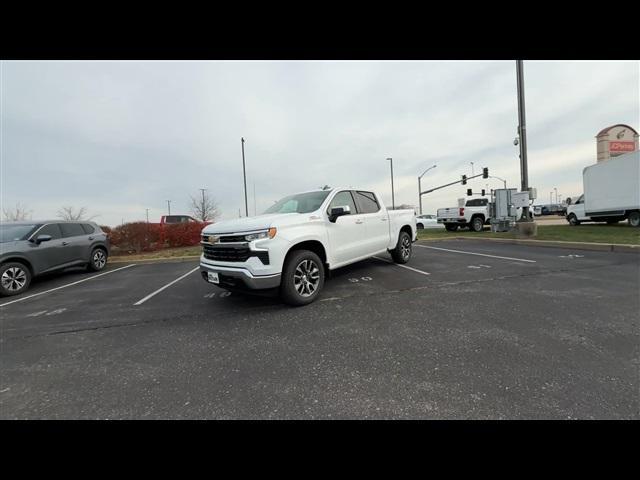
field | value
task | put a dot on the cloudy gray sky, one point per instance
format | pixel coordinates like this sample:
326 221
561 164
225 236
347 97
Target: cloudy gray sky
120 137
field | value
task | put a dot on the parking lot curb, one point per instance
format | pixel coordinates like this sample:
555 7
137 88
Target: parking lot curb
156 260
601 247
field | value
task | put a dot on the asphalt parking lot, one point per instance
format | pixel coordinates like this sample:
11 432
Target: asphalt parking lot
468 329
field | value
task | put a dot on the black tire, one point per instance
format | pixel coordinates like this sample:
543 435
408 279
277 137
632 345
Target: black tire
450 227
98 260
420 226
634 219
573 220
15 278
477 224
295 287
402 252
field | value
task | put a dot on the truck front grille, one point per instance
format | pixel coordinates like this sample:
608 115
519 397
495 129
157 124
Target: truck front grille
233 254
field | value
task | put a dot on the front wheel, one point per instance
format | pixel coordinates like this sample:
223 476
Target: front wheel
302 278
634 219
573 220
14 278
402 252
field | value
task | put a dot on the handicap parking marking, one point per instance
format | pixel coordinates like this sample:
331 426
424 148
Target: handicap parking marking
403 266
153 294
65 286
475 253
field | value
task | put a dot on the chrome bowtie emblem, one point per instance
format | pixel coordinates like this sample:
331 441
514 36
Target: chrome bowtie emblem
212 239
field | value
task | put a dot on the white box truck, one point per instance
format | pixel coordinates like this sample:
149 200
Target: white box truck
611 192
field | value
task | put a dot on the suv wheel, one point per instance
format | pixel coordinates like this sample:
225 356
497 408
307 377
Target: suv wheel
14 278
302 278
98 260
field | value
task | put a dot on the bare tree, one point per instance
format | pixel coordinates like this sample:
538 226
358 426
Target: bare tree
70 213
16 214
204 208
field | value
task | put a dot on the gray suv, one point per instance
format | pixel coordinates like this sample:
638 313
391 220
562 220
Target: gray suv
29 249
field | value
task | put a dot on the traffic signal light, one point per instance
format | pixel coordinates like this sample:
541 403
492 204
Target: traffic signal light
464 179
485 172
469 192
483 192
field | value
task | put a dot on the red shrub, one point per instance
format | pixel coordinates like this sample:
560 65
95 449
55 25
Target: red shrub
181 234
138 236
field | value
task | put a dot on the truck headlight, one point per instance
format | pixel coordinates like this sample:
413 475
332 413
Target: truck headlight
261 235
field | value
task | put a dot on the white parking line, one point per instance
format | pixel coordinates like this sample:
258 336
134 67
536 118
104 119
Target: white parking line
403 266
140 302
67 285
474 253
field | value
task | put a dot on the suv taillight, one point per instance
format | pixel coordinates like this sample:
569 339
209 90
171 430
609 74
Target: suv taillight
461 213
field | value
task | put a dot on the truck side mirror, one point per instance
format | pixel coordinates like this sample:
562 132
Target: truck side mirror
336 212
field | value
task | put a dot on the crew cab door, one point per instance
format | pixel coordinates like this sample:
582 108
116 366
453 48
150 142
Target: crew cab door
376 220
347 233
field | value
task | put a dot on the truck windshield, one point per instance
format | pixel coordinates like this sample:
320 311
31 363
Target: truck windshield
11 233
299 203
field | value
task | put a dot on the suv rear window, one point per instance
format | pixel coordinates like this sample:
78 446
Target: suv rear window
71 229
367 202
88 228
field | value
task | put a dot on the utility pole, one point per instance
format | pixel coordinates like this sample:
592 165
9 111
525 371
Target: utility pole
522 133
556 190
169 207
420 187
244 175
147 214
393 198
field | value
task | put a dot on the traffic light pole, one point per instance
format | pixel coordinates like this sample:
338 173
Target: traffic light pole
454 183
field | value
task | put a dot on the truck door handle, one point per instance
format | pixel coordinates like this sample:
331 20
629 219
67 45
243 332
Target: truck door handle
90 238
65 243
383 219
359 222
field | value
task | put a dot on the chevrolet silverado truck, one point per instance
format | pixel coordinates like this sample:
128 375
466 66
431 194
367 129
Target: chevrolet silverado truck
474 214
292 247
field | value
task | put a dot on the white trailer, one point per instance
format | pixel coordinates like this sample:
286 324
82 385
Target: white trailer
611 192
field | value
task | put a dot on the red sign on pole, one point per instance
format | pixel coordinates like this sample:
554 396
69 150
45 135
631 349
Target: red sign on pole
622 146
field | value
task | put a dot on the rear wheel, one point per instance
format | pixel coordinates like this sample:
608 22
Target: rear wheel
451 227
477 224
302 278
573 220
15 278
634 219
402 252
98 260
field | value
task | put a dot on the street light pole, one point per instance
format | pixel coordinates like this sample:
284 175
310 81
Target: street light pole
501 179
522 133
420 187
244 175
393 200
556 190
169 206
472 172
147 214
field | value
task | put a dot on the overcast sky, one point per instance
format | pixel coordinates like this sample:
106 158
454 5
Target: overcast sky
120 137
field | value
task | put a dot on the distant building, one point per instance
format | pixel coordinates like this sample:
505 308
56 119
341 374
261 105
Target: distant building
616 140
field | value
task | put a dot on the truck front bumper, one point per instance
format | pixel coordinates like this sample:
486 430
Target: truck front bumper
239 278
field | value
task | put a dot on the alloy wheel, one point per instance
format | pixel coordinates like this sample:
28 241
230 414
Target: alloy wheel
99 259
306 278
14 279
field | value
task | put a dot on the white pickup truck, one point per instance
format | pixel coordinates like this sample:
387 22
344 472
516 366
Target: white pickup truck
474 214
296 242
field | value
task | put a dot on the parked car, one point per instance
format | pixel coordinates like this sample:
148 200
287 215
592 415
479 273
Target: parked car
610 192
170 219
427 221
296 242
30 249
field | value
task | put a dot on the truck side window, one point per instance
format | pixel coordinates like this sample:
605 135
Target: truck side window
341 199
367 202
